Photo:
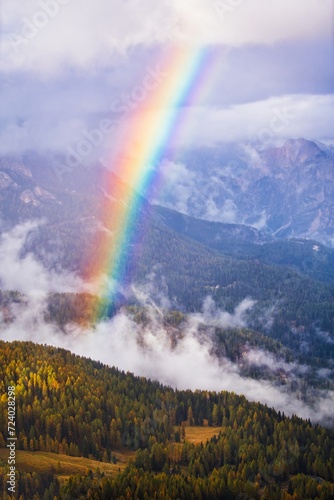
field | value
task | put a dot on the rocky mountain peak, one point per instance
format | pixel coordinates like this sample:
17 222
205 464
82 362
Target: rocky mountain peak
299 150
294 152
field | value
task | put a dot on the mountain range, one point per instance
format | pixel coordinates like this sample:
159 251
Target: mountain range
224 303
287 191
290 281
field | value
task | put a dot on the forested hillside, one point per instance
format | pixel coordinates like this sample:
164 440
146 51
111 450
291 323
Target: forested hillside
309 257
73 405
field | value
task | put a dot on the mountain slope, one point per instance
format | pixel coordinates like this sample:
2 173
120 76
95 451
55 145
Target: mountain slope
74 222
307 256
80 407
288 191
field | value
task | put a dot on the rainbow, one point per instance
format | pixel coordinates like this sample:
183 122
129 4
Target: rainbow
153 127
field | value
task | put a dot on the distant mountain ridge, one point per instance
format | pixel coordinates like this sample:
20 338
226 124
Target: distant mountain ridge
287 191
182 259
244 242
304 179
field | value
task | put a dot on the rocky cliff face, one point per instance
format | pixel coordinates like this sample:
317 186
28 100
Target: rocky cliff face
287 191
300 200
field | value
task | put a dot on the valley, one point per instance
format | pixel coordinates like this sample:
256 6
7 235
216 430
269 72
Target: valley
205 306
166 250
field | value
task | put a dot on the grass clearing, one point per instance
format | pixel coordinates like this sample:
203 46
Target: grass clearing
197 435
64 465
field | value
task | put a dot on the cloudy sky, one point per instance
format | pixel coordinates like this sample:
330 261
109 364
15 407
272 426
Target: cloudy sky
65 63
69 68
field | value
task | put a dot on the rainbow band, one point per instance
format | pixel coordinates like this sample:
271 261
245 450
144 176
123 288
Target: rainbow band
150 130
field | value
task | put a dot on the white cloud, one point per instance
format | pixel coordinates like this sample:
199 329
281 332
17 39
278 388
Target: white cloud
265 122
227 212
182 191
24 273
236 22
49 35
213 316
82 35
262 358
182 357
178 182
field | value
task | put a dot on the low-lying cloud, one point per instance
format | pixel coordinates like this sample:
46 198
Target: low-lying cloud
181 356
213 316
151 351
22 272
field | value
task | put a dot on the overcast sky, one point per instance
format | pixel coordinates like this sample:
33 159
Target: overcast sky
65 62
